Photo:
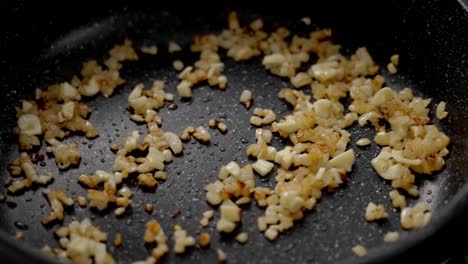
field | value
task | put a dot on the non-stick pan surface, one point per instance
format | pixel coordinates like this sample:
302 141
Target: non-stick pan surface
431 38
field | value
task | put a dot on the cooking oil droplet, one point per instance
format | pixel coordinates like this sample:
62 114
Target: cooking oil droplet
21 225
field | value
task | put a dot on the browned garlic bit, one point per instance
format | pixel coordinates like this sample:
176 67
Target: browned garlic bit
19 236
82 242
207 215
411 144
201 134
204 239
391 237
66 155
144 103
149 208
182 240
375 212
234 182
187 133
57 199
155 234
246 98
24 166
262 117
415 217
118 240
222 258
360 250
219 125
110 193
398 200
150 50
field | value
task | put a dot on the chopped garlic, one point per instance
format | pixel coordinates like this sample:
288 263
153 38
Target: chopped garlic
440 111
360 250
151 50
182 240
415 217
242 237
363 142
201 134
246 98
375 212
391 237
173 47
204 239
262 167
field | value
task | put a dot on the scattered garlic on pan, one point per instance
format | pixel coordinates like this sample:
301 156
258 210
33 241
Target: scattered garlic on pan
415 217
440 111
398 200
24 166
391 237
360 250
204 239
202 134
82 242
57 199
66 155
173 47
246 98
150 50
375 212
155 234
182 240
207 215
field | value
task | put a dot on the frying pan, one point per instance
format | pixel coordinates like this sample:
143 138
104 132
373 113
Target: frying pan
42 45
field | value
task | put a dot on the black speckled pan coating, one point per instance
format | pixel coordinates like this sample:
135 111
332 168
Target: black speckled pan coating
431 38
